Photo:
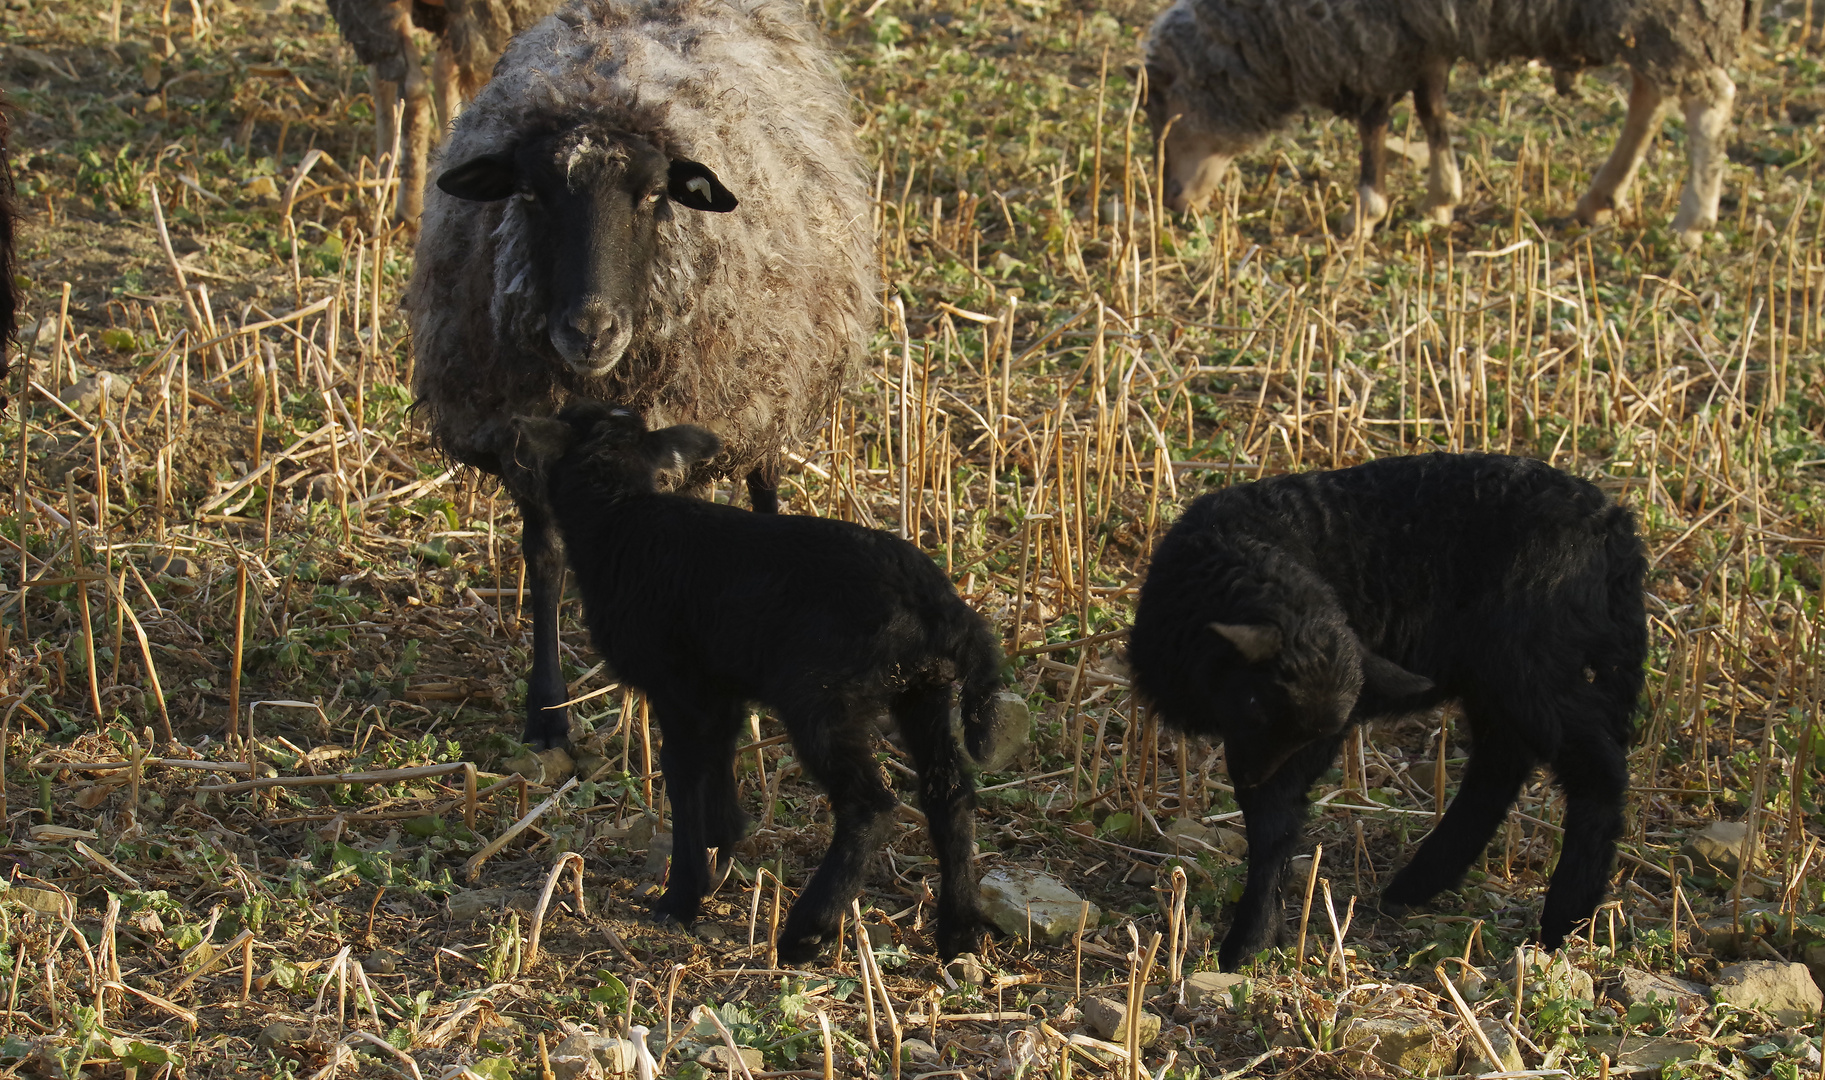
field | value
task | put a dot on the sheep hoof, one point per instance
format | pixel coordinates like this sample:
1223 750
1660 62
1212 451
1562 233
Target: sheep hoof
1595 209
802 950
1442 214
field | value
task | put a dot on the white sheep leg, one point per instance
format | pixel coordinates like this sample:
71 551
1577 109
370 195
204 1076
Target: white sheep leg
1444 185
1707 115
1371 208
1609 190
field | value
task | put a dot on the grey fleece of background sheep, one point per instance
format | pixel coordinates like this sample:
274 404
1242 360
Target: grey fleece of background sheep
1235 70
756 316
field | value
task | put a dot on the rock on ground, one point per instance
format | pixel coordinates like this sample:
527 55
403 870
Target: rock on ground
551 767
1639 1053
1404 1038
1015 898
1718 848
1632 986
471 904
1553 975
1010 734
1212 988
1508 1054
1108 1020
587 1057
1783 991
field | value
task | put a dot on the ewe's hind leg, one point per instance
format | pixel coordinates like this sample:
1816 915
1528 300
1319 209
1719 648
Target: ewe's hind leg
1499 764
1609 191
1444 187
1707 115
1273 813
547 720
948 797
832 741
1371 183
697 759
1592 769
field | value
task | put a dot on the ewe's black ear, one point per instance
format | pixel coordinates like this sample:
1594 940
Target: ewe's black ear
1256 642
1387 682
692 184
681 446
489 178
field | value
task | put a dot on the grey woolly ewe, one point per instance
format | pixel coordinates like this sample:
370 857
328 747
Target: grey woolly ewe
659 204
1226 73
470 35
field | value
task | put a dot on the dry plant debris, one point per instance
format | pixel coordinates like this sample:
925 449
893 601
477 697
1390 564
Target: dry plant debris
253 629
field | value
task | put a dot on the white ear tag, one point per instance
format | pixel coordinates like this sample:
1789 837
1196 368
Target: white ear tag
697 185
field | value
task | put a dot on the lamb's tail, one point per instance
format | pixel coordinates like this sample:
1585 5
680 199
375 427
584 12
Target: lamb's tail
1622 673
978 660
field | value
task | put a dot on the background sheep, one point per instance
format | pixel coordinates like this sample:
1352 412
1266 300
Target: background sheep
585 241
1277 614
706 607
1232 71
470 35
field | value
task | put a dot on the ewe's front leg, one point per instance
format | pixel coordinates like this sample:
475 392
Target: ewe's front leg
1273 812
1444 187
1707 116
835 751
1609 193
547 718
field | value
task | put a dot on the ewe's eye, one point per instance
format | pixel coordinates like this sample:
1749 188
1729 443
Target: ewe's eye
654 197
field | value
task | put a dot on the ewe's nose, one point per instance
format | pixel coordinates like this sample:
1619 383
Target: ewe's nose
594 324
1175 195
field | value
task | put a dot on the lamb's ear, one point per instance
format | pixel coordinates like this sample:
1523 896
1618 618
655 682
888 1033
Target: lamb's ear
1387 681
540 440
692 184
489 178
680 446
1256 642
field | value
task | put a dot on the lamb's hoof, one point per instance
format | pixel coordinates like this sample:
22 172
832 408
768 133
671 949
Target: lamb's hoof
1443 214
1690 239
1595 209
800 950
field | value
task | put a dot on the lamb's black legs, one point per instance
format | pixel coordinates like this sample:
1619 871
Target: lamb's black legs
1499 765
947 794
1590 765
1592 770
547 720
1273 812
1371 190
698 760
835 750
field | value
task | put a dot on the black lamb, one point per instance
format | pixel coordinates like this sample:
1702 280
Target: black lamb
705 607
1279 613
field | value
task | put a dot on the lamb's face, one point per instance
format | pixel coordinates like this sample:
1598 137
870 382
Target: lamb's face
598 198
1269 698
611 447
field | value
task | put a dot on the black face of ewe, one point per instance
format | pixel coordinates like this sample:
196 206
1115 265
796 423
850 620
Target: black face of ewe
1277 614
707 608
602 196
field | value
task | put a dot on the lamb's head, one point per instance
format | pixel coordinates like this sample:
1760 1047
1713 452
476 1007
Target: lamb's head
606 448
597 198
1203 126
1291 675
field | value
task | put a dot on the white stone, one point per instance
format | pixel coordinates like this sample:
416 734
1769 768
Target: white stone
1781 990
1016 899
